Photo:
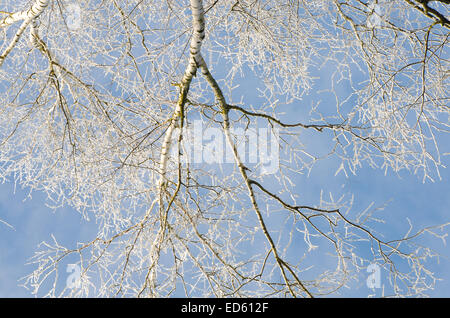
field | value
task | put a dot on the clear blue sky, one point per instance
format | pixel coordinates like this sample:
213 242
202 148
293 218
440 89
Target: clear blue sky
425 204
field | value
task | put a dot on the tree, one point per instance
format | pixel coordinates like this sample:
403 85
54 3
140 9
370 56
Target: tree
100 99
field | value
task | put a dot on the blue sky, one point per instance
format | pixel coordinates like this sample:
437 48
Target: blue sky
33 223
425 204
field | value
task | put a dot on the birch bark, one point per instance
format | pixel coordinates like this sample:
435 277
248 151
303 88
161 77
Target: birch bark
28 15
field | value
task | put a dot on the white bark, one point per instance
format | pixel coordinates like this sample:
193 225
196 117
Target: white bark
36 9
194 59
28 15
